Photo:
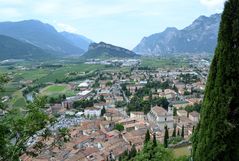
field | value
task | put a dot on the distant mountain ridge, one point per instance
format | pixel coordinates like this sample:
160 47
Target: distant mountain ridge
104 50
199 37
11 48
41 35
78 40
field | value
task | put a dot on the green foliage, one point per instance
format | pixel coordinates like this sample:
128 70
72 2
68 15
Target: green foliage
216 137
19 127
154 140
119 127
109 83
175 140
195 107
166 137
132 152
120 103
64 134
174 131
182 132
154 153
82 104
138 104
126 91
103 111
174 111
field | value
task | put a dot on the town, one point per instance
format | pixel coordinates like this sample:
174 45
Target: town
110 112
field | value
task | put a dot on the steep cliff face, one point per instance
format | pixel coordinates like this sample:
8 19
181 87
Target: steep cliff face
103 50
199 37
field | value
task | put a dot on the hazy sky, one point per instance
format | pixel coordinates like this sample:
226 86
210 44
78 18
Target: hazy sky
119 22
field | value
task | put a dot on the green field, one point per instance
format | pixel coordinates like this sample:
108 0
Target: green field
182 151
32 74
61 73
156 62
55 90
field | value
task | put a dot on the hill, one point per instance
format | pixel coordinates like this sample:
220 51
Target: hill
103 50
199 37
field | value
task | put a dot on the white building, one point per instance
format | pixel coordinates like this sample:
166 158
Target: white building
138 115
161 117
92 112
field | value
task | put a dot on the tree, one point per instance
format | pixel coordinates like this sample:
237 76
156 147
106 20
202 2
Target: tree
103 111
182 132
102 98
174 111
174 131
154 140
119 127
147 136
216 136
166 137
19 127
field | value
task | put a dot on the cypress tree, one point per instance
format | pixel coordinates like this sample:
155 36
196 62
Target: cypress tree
103 111
166 137
182 132
132 152
147 137
174 131
154 140
217 135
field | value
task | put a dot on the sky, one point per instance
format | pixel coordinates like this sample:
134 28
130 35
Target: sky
119 22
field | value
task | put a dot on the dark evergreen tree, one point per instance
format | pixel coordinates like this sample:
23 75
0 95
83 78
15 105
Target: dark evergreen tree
132 152
166 137
103 111
182 132
154 140
147 137
217 135
174 131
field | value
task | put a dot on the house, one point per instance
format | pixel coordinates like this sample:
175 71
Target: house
194 116
182 113
84 85
92 112
112 114
161 117
137 115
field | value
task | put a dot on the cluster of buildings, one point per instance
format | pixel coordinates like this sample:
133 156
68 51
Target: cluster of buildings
93 137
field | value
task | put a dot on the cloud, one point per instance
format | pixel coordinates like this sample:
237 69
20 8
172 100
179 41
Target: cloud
213 4
66 27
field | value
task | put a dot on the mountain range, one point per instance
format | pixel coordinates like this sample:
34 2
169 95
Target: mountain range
199 37
45 37
103 50
11 48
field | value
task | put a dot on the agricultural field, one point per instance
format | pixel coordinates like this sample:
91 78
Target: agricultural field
154 62
61 73
55 90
